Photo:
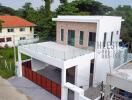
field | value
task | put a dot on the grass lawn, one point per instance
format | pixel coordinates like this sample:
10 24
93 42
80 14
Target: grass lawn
8 56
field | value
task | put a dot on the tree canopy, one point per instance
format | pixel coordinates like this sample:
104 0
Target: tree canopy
79 7
126 13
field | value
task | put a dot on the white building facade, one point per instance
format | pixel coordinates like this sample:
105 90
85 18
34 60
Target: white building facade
84 52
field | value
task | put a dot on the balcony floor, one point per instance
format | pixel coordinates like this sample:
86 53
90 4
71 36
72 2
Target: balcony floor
55 50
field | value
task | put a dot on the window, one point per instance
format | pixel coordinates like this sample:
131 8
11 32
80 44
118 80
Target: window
62 34
71 37
2 39
8 39
92 39
81 37
104 42
22 38
0 30
31 29
10 30
111 38
22 29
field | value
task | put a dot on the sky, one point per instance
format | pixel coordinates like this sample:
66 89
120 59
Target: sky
37 3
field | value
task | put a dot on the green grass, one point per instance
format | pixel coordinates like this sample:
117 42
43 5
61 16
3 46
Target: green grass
8 55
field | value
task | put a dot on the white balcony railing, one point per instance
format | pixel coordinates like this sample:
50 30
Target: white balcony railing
55 50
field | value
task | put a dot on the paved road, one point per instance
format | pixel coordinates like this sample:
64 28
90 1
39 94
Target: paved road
8 92
32 90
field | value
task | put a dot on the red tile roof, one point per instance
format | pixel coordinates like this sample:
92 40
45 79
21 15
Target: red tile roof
14 21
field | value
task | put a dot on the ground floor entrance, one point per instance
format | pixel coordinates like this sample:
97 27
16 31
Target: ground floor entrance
42 78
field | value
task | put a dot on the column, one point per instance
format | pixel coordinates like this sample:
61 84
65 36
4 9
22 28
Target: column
64 90
107 89
19 67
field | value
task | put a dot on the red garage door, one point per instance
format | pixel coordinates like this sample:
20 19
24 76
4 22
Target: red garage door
42 81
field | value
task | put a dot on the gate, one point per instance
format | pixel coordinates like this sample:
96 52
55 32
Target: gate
40 80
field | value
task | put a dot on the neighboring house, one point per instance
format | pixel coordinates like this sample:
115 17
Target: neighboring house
15 29
79 60
56 3
119 83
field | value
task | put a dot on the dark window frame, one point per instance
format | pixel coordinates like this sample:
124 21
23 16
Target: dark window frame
2 39
10 30
62 34
111 40
81 38
92 39
8 39
22 38
31 29
22 29
105 38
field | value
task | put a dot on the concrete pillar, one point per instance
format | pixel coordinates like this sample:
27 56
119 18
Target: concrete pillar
19 68
107 90
64 90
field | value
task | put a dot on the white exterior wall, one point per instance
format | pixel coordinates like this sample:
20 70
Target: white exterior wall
82 65
102 65
16 34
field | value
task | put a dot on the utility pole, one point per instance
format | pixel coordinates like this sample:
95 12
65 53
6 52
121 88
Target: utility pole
14 46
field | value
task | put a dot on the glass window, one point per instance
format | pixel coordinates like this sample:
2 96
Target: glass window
22 29
71 37
92 39
111 38
10 30
104 42
62 34
2 39
31 29
8 39
22 38
81 37
0 30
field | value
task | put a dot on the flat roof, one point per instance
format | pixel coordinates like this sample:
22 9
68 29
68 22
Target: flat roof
93 19
125 71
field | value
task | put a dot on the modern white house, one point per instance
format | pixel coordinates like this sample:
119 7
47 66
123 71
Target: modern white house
86 49
15 29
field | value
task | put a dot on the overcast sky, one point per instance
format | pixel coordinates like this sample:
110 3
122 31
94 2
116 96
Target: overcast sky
37 3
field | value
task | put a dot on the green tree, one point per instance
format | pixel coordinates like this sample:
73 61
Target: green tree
79 7
6 10
47 8
126 13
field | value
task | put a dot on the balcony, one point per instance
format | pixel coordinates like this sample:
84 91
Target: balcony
55 50
31 39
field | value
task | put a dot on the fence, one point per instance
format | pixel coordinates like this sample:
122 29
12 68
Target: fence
40 80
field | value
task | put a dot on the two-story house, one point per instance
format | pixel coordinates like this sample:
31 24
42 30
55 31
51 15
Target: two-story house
14 29
81 57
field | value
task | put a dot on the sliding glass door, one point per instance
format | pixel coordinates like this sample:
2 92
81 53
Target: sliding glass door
71 37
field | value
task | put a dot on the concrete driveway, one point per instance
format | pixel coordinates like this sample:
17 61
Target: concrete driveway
30 89
8 92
